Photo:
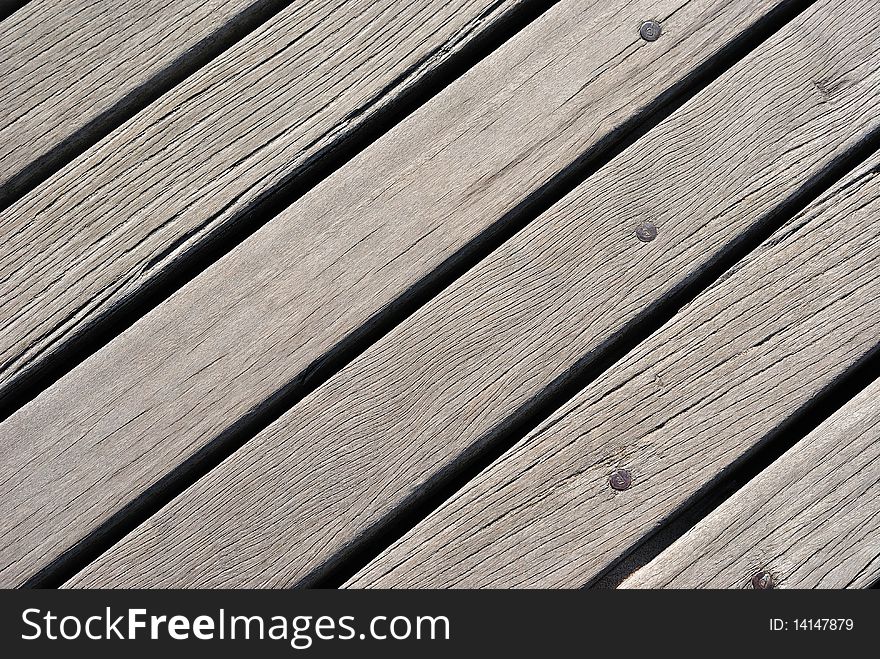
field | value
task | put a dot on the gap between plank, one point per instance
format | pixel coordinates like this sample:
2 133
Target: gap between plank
137 99
337 569
9 7
737 475
225 237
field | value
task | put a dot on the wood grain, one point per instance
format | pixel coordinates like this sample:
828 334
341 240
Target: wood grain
258 318
811 519
677 412
426 393
108 225
66 63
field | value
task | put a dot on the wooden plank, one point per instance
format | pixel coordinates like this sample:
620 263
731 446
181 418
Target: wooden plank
676 412
260 317
810 520
67 64
181 171
425 394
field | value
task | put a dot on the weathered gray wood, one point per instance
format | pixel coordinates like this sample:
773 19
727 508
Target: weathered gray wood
676 412
114 219
811 519
256 319
67 62
411 404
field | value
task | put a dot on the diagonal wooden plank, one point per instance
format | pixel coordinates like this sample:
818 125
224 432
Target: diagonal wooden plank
676 413
419 400
810 520
179 175
73 64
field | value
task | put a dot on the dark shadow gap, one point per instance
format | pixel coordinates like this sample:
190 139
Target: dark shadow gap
100 330
9 7
446 482
771 447
664 536
187 63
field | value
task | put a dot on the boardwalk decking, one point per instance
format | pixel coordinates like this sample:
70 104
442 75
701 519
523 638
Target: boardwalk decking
804 522
769 336
387 294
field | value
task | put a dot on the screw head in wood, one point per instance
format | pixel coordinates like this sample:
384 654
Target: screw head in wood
650 30
762 580
646 232
620 480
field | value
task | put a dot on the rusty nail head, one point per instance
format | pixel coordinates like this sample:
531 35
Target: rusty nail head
620 480
650 30
762 581
646 232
